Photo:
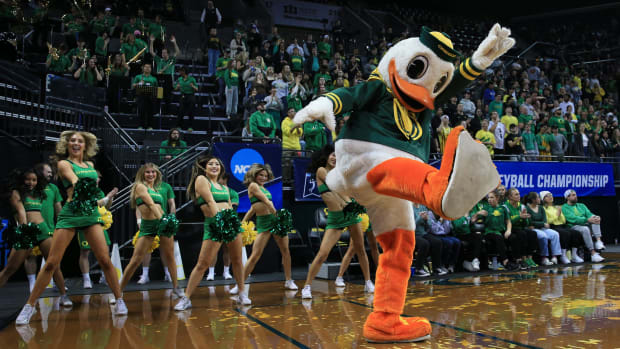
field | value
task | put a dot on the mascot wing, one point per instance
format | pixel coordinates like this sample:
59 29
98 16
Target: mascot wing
319 109
494 45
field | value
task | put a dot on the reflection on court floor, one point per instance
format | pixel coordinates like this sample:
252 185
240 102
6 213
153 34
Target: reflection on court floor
571 307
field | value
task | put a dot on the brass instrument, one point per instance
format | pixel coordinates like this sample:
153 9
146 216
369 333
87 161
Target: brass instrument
135 58
82 54
109 68
53 51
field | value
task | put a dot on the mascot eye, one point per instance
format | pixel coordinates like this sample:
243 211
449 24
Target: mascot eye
440 84
417 67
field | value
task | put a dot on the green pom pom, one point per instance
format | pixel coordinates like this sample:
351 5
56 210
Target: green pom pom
25 236
168 225
284 223
353 208
84 200
226 226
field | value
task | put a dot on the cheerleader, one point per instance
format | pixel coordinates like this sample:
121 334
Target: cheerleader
213 199
339 217
148 200
78 176
27 201
234 200
266 220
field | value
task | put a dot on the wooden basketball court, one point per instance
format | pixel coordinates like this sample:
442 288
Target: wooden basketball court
564 307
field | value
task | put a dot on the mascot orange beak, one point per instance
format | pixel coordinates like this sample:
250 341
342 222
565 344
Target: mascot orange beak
414 97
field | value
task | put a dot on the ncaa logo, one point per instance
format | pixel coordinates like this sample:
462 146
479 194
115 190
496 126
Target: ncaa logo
242 160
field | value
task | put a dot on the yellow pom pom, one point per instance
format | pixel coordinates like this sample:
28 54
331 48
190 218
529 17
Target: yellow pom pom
135 238
248 232
154 245
106 217
365 222
35 251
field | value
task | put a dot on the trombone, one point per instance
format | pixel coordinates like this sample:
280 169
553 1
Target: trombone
135 58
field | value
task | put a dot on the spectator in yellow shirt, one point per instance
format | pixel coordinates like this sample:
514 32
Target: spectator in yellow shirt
291 133
487 138
509 119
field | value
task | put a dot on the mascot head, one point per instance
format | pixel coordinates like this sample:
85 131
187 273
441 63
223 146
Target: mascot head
419 69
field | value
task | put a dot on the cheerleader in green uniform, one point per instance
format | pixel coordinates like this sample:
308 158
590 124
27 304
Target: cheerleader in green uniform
338 218
214 200
149 201
78 176
27 197
234 200
266 219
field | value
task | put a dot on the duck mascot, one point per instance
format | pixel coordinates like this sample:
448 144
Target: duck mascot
383 151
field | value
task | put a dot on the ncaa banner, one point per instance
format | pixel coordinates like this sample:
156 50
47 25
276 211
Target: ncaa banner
306 188
239 157
587 179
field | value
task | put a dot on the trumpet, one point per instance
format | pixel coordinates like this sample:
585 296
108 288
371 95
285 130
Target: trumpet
135 58
53 51
109 68
82 54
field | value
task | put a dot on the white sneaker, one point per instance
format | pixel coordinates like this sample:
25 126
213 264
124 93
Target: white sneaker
290 285
227 276
546 261
87 283
440 271
24 316
469 266
144 279
306 292
112 300
234 290
178 292
120 308
597 258
564 260
576 259
210 277
476 264
598 245
340 282
65 301
422 273
369 287
243 299
554 260
183 304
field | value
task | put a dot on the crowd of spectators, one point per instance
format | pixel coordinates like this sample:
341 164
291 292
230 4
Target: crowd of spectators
506 231
528 109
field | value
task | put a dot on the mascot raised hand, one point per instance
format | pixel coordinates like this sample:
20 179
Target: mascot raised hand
382 152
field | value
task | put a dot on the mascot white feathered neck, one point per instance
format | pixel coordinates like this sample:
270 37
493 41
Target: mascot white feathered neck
382 152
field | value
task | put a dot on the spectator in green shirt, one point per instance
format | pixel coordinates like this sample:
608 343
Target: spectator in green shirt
497 105
145 98
530 144
129 28
188 86
165 69
172 146
497 231
524 241
579 218
231 78
315 136
324 48
58 62
101 45
88 74
132 47
262 124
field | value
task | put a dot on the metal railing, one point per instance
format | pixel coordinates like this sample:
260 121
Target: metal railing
23 116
